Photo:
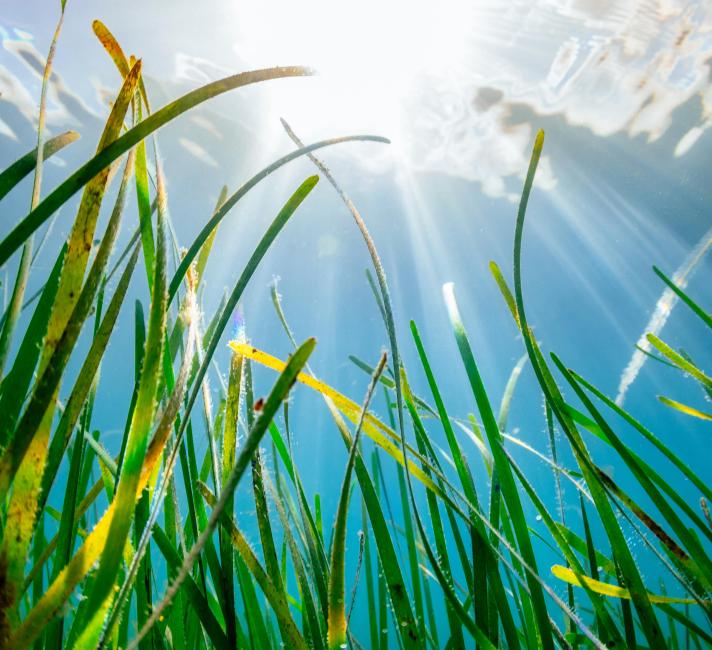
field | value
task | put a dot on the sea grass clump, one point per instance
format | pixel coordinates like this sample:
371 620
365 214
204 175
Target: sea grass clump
456 567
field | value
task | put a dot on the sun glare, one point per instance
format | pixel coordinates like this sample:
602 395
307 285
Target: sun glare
368 55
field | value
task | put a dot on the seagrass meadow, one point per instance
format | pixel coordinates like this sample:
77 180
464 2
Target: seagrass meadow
183 466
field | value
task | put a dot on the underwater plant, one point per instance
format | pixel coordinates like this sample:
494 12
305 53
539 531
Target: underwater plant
92 573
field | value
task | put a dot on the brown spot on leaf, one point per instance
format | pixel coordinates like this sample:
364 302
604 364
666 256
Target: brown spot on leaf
7 598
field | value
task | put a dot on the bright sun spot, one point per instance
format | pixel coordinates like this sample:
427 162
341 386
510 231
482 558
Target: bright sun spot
368 55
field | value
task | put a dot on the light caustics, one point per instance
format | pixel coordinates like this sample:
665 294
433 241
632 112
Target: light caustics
447 81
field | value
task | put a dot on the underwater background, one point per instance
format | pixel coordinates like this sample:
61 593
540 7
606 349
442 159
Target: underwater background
623 90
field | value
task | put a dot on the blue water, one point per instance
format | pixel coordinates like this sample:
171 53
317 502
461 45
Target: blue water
614 200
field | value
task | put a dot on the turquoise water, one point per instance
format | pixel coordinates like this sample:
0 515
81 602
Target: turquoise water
624 185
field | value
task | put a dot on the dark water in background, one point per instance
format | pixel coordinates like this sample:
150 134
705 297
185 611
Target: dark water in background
624 185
